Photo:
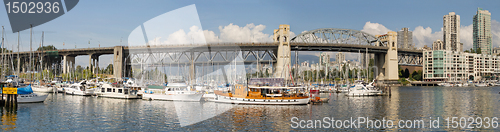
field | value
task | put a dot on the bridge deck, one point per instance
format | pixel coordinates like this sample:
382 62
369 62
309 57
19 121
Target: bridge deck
334 47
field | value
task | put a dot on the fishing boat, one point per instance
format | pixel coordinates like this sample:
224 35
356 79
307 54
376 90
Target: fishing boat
272 91
176 90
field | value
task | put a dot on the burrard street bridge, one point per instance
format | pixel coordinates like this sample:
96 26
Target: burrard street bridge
383 47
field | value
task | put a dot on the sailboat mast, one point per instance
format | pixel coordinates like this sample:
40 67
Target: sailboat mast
3 54
41 57
31 53
18 57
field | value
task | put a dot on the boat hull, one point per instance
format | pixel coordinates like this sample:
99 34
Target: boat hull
173 97
480 85
234 100
363 93
209 95
78 92
42 89
31 98
119 96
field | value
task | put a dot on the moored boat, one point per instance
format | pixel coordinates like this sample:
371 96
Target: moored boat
117 91
80 89
360 90
272 91
174 91
43 88
26 95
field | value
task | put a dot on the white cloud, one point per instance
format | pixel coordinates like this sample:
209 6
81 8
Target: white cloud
424 36
495 32
195 35
229 33
466 36
248 33
375 28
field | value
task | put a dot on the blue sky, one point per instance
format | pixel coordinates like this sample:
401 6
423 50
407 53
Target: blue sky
109 22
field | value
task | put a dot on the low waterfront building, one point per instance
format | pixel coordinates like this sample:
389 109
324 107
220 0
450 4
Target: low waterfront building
444 65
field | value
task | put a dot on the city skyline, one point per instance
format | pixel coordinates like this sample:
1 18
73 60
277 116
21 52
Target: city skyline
82 26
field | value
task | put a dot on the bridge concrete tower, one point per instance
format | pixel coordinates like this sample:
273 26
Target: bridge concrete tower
68 64
118 61
283 54
387 63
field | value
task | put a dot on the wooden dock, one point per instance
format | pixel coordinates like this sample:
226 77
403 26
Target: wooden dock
424 83
9 96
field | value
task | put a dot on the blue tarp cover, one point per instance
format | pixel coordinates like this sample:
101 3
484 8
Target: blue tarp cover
25 90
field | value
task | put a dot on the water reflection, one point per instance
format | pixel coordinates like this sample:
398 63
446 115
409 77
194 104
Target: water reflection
9 118
77 113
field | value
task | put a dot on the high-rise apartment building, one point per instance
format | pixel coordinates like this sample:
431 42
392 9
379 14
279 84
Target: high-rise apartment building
405 39
451 32
481 34
324 59
340 57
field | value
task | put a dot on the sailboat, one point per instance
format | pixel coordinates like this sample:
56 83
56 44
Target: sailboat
24 92
26 95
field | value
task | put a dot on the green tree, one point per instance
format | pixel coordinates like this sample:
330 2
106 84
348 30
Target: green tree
109 69
407 73
5 50
50 57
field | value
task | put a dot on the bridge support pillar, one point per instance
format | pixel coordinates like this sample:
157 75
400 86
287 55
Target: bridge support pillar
192 70
283 62
68 64
118 62
94 63
387 63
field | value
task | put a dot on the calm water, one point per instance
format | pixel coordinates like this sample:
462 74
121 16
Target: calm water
76 113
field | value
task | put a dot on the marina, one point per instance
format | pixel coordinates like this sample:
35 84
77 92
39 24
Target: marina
249 66
60 111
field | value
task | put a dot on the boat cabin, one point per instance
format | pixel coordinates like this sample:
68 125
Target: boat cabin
107 88
263 88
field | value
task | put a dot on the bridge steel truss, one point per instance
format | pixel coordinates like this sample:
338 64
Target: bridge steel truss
200 55
348 40
409 58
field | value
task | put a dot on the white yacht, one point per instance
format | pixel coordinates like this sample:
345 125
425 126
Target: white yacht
360 90
80 89
209 93
343 88
43 88
176 91
61 87
480 85
117 91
